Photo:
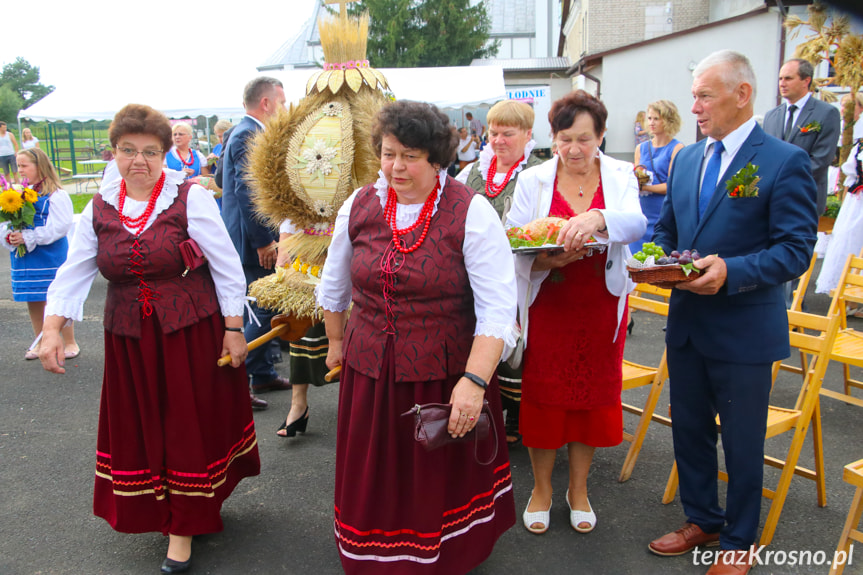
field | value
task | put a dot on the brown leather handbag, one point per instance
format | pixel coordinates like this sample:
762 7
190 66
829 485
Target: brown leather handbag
432 420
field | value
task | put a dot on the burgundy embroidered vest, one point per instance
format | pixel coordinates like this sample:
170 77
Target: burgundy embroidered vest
177 301
432 303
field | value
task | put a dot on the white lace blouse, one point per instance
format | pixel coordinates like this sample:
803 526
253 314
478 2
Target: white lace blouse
72 284
487 258
485 157
56 226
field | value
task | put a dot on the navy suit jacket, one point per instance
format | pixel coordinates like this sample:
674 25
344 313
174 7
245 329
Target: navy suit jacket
246 230
765 242
820 145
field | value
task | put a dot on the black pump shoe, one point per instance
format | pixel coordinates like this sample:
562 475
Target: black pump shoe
171 566
297 425
630 325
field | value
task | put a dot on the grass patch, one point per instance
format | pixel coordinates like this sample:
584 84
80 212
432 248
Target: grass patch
79 201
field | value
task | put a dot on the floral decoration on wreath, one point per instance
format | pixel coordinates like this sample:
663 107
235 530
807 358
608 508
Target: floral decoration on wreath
16 207
810 127
744 184
317 159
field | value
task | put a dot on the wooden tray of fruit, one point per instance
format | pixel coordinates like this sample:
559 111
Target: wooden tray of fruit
666 270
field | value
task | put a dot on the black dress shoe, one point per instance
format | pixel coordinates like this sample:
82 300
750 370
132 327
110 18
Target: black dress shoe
276 384
295 426
171 566
258 403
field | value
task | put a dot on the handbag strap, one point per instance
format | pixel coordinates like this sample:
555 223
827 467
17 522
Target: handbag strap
493 431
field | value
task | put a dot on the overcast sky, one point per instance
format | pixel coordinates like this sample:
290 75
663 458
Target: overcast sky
101 45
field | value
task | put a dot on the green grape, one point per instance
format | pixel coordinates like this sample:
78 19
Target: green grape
640 256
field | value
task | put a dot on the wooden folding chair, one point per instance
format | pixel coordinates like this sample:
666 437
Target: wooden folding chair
853 475
797 305
848 348
806 412
646 298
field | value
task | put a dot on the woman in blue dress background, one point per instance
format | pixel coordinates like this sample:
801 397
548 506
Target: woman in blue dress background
45 242
657 155
181 157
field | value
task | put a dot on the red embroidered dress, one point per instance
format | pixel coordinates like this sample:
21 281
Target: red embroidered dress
176 433
572 369
400 509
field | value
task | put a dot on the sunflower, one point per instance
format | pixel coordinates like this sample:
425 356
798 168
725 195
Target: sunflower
11 201
30 195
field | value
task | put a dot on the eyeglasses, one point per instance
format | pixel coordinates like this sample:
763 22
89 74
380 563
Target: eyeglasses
132 153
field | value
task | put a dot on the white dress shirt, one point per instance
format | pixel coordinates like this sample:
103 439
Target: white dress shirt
799 103
72 284
732 142
487 258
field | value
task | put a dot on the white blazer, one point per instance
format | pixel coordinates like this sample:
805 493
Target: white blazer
532 199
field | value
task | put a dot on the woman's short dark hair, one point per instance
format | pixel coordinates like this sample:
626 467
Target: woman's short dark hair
563 112
141 119
419 126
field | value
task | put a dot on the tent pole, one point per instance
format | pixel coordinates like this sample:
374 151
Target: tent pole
72 149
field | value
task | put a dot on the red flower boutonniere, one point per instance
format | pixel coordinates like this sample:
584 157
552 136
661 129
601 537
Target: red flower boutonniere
744 184
810 127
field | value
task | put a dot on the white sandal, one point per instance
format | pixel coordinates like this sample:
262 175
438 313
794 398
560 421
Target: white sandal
532 517
578 517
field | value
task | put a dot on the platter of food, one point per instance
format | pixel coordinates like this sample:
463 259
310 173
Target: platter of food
541 236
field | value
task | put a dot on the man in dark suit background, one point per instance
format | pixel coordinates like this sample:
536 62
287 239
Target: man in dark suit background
805 121
253 240
727 327
808 123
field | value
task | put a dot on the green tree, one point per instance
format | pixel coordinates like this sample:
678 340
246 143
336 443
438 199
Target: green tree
425 33
10 103
23 79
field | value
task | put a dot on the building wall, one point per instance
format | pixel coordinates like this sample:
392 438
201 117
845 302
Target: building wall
631 79
614 23
543 91
722 9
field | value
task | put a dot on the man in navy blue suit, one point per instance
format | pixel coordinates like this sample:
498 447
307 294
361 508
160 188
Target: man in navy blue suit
727 327
253 240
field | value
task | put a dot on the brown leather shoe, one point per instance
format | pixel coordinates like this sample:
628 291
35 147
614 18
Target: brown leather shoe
683 540
276 384
731 562
258 404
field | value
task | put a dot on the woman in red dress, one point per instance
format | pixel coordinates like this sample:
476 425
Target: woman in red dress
577 305
176 433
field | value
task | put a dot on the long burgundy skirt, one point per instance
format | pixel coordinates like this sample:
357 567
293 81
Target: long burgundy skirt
176 432
402 509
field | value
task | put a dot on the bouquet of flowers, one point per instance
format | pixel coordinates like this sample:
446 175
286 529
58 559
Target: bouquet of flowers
16 206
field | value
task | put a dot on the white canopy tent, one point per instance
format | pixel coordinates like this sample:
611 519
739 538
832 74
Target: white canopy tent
447 88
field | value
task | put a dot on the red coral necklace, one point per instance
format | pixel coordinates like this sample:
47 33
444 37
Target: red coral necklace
424 219
191 158
137 224
493 190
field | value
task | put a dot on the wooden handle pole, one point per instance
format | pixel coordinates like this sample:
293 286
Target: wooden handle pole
333 373
258 342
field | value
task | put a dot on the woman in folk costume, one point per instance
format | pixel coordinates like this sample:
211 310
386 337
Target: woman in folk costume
176 433
510 132
426 264
302 168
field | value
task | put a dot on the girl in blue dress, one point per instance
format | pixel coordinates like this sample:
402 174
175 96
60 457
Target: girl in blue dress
657 155
45 242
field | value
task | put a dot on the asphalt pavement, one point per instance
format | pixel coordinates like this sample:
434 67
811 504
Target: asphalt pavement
281 521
